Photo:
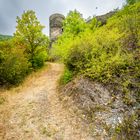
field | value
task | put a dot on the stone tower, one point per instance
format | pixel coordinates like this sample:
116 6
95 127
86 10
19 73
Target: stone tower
55 26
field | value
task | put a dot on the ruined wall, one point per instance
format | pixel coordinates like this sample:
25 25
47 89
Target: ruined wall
56 26
103 18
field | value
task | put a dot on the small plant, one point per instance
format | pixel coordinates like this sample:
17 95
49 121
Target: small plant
46 132
129 128
2 100
66 77
14 65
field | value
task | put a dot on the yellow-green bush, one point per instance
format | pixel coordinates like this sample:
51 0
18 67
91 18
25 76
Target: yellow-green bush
127 129
109 54
39 59
66 77
13 64
98 56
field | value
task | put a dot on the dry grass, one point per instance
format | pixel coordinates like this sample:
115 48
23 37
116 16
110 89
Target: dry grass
34 111
5 92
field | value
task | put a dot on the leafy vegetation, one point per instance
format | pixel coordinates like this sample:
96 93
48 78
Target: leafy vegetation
73 25
132 1
108 54
26 51
29 35
126 130
2 100
5 37
66 77
14 65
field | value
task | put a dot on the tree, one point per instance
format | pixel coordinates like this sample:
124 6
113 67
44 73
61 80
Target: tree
94 24
74 23
132 1
73 26
29 35
14 65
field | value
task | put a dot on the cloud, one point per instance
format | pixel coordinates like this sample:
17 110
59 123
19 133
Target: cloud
9 9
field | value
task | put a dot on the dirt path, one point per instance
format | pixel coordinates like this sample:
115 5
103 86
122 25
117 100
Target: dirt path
36 113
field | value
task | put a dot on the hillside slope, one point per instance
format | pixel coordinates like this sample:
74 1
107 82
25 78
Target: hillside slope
107 60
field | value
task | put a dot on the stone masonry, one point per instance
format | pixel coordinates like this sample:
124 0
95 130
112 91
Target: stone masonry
56 21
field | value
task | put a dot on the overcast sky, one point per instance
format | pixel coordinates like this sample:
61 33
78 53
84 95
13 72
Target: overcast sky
10 9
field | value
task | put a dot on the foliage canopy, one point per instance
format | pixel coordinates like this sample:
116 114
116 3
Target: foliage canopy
29 35
27 50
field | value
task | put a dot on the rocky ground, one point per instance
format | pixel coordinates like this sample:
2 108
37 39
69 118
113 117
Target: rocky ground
109 117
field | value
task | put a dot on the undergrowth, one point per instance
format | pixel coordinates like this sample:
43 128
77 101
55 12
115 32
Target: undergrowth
66 77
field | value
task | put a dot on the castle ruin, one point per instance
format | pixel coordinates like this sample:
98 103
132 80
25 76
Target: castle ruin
56 23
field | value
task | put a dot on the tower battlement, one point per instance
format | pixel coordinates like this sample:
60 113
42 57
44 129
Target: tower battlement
56 23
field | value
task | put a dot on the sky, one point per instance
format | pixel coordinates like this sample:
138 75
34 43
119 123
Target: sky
10 9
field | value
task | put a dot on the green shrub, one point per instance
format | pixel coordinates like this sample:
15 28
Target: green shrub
66 77
132 1
79 55
128 129
107 54
13 64
39 59
74 25
2 100
60 49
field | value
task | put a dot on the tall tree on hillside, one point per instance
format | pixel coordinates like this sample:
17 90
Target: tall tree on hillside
74 23
29 35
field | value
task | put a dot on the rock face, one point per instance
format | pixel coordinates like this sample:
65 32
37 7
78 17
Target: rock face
105 111
103 18
56 21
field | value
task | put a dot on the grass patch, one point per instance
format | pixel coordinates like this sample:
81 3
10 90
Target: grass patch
66 77
2 100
